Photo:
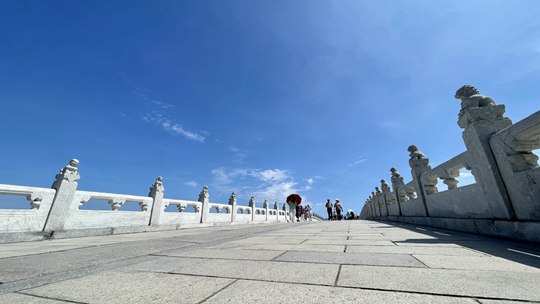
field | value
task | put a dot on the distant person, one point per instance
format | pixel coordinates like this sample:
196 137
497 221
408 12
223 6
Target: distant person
307 213
329 209
299 210
292 209
352 215
339 209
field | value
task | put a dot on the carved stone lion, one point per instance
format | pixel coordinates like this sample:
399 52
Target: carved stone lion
471 98
415 153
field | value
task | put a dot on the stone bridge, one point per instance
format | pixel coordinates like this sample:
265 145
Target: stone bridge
235 253
503 201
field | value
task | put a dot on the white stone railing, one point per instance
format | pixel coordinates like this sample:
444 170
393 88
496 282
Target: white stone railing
57 212
505 198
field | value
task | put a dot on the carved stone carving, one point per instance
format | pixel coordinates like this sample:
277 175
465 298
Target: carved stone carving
448 178
116 203
204 194
476 107
157 187
232 199
397 185
181 207
276 205
252 202
69 173
35 200
416 157
144 206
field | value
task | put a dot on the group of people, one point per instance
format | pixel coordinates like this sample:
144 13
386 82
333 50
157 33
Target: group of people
299 212
335 210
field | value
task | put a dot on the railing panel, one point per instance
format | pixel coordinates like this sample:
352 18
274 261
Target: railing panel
189 212
463 202
30 220
81 219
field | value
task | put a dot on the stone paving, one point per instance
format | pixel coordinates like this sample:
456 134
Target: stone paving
319 262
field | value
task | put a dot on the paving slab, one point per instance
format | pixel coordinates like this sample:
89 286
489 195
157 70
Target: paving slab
301 247
367 242
324 274
473 263
484 284
13 298
23 267
271 293
234 254
351 258
138 287
416 250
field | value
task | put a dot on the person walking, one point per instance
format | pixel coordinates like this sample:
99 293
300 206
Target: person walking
339 209
292 209
307 213
299 211
329 209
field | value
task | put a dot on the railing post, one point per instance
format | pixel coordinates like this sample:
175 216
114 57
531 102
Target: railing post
375 203
276 210
157 192
419 164
397 184
284 208
380 200
204 198
66 186
480 118
386 192
265 206
233 204
252 205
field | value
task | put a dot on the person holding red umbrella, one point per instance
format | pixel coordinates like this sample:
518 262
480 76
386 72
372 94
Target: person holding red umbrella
294 201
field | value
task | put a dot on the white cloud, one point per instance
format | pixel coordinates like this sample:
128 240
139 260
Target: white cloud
270 184
272 175
161 104
238 153
191 184
174 128
310 181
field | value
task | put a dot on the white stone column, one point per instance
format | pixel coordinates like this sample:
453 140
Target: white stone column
265 206
397 184
252 205
233 203
276 210
66 186
419 164
157 191
204 198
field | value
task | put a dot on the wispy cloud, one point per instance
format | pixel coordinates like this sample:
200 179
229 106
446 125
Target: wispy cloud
191 184
172 127
360 160
144 93
238 153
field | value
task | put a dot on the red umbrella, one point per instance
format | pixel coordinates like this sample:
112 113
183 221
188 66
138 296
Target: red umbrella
294 197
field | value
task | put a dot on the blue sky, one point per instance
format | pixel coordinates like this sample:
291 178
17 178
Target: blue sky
263 98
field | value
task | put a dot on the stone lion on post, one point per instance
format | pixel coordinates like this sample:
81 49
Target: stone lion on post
471 98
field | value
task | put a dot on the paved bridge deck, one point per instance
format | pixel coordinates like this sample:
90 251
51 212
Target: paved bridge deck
322 262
